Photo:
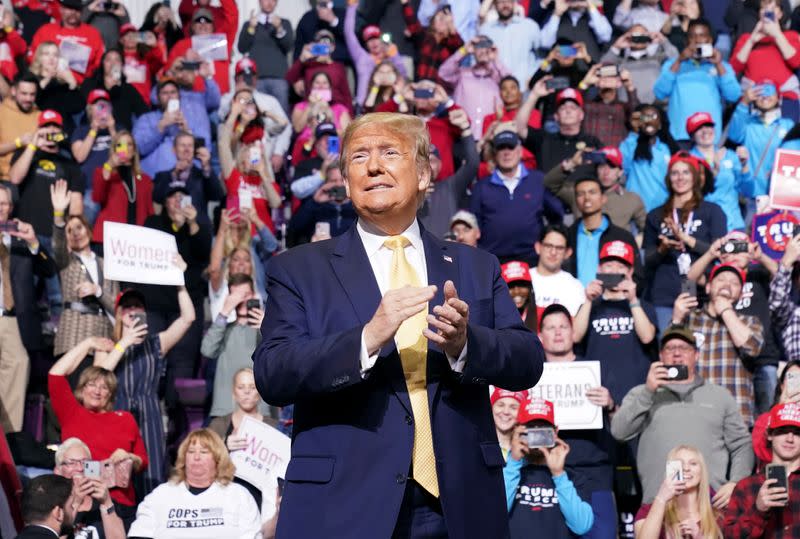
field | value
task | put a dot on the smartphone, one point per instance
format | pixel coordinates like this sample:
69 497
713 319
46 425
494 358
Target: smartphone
777 472
9 226
245 200
567 51
423 93
689 287
610 280
142 36
484 44
677 372
333 145
121 149
641 39
190 66
109 6
608 71
173 105
796 230
281 485
320 49
792 383
63 64
255 155
139 319
706 50
323 95
386 38
322 228
186 201
541 437
92 468
199 142
338 193
253 303
595 158
732 247
557 83
767 90
769 15
674 470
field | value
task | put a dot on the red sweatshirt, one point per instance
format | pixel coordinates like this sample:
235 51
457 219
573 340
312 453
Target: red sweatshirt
139 70
83 34
222 21
103 432
767 62
12 46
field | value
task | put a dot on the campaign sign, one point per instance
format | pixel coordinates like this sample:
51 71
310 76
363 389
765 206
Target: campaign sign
784 187
137 254
772 230
211 47
266 455
565 384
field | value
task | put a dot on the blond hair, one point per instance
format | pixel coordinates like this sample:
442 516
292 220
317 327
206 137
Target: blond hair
211 441
90 374
36 64
708 516
411 128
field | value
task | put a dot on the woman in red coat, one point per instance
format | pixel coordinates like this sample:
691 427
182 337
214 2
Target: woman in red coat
123 191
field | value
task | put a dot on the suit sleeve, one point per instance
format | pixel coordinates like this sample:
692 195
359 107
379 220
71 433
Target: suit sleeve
289 363
508 355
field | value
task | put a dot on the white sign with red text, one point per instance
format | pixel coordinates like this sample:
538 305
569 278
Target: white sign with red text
137 254
266 455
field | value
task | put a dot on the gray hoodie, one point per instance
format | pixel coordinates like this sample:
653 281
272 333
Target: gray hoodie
699 414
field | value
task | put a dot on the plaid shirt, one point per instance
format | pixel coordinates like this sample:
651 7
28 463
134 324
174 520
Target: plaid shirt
721 363
743 521
785 313
430 53
607 121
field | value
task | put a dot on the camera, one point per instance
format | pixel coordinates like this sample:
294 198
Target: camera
540 437
732 247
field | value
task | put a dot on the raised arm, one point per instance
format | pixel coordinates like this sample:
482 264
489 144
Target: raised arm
175 332
67 363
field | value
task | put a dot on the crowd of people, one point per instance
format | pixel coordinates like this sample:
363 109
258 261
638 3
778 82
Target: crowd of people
612 155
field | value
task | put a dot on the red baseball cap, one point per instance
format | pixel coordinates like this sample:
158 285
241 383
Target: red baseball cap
569 94
617 250
684 157
97 94
127 27
370 32
613 156
499 393
728 267
245 65
698 120
535 408
516 271
783 415
129 293
49 116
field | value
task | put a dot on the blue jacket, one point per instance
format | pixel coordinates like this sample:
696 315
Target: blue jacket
695 88
353 435
510 222
729 183
749 130
155 147
646 178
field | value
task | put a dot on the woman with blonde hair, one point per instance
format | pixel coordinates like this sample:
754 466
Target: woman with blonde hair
123 191
682 507
58 89
202 479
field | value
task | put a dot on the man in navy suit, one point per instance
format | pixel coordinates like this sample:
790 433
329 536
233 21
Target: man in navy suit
386 339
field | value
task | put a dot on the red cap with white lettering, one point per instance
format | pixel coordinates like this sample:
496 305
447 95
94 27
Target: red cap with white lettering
785 415
569 94
617 250
516 271
48 117
499 393
536 408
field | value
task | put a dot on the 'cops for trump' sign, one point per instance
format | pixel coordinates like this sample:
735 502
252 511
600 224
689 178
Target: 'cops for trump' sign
565 384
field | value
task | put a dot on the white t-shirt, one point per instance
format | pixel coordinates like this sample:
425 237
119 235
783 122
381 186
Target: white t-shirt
560 288
171 511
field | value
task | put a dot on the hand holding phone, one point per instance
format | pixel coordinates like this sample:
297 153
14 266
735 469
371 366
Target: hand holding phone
674 471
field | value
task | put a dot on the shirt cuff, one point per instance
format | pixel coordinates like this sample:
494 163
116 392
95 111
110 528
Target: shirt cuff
460 362
221 320
34 251
367 361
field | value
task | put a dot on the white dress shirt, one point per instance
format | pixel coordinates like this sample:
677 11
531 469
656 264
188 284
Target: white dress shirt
380 259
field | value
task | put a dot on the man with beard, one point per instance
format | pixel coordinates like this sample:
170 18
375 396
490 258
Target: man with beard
758 126
17 119
517 39
517 276
560 510
729 341
47 507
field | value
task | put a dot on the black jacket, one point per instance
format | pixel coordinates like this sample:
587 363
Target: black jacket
24 266
612 233
36 532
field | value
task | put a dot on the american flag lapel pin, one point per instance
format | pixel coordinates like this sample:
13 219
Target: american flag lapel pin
447 259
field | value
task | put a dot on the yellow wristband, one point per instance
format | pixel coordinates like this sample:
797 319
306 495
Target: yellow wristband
107 167
582 86
18 142
93 133
374 90
58 213
119 347
32 147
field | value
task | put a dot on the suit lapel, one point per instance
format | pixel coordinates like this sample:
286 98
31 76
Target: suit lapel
442 266
351 266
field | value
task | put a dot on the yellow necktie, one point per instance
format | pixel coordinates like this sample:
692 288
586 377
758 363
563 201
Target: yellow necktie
413 349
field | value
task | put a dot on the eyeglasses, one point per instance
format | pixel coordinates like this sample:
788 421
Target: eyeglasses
73 463
682 348
100 387
556 248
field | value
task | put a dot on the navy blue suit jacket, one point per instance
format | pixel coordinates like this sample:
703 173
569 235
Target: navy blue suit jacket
353 436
